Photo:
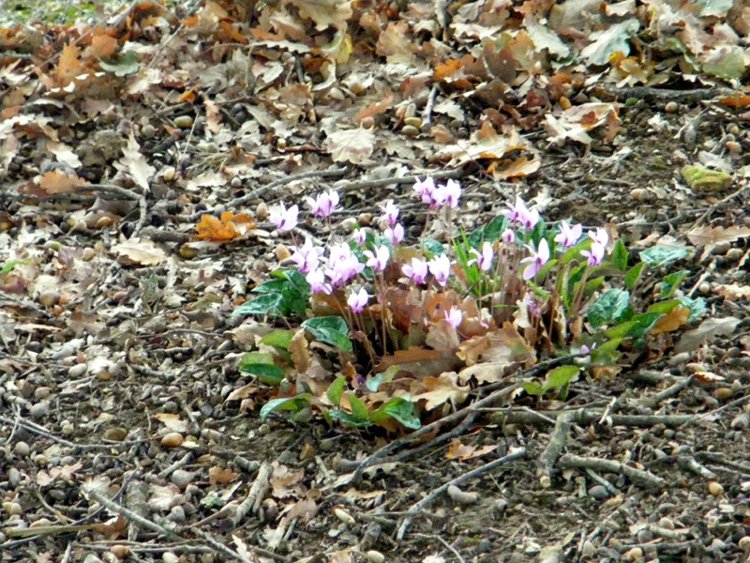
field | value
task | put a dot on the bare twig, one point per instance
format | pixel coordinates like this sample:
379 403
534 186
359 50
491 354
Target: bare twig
608 466
551 453
441 490
255 496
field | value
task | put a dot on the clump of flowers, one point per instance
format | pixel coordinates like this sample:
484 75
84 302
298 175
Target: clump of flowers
400 323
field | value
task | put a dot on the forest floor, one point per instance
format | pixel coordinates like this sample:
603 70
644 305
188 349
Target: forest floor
127 431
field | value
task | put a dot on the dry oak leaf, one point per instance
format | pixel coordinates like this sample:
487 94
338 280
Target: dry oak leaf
462 452
134 164
324 12
437 391
483 144
228 227
705 236
139 252
351 145
56 182
172 422
574 122
498 351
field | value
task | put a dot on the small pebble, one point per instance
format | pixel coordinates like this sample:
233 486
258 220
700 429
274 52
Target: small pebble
41 393
22 449
120 551
715 488
182 478
77 370
169 173
671 107
39 410
744 544
599 492
374 556
172 440
667 523
169 557
14 476
177 514
183 121
633 554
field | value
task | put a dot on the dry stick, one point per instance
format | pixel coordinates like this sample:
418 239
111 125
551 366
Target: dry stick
41 431
238 201
670 391
551 453
154 527
441 490
608 466
582 416
255 495
127 194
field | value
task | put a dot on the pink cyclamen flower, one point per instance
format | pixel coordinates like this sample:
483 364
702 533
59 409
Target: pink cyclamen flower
454 317
508 236
520 214
416 271
598 250
536 261
440 268
390 213
316 279
324 204
342 265
360 236
596 254
379 259
569 235
358 300
307 257
448 194
394 234
425 189
483 259
284 219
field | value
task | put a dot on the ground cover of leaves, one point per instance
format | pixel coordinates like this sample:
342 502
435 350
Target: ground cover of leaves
126 430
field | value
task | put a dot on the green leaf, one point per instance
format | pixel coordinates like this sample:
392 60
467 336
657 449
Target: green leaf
490 232
373 382
358 408
609 308
432 247
663 255
560 377
271 304
619 256
10 265
278 339
697 307
335 390
664 307
671 283
636 327
122 65
262 366
607 353
575 251
347 418
400 409
291 404
286 295
533 388
592 285
634 275
331 330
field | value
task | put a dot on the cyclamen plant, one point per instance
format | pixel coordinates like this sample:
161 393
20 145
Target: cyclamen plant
513 291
